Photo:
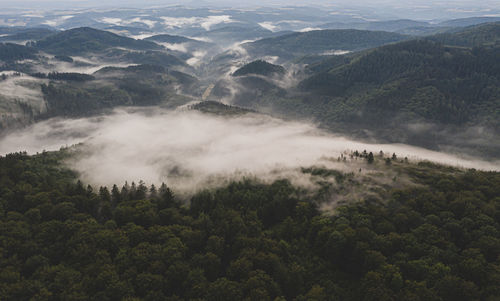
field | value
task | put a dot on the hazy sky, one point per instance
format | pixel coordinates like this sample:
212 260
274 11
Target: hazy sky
142 3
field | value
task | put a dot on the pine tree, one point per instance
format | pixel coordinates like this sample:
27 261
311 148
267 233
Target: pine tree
370 158
153 193
115 195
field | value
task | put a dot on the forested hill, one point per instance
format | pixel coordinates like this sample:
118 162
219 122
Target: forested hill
63 240
12 52
320 41
260 67
166 38
141 85
431 92
86 39
474 36
24 34
417 79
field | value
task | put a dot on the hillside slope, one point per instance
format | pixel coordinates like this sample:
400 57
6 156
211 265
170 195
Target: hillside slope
260 67
320 41
420 92
86 39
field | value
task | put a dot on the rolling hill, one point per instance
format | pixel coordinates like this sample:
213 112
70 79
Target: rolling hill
141 85
473 36
260 67
235 33
320 41
420 78
85 39
463 22
420 92
391 25
173 39
12 52
24 34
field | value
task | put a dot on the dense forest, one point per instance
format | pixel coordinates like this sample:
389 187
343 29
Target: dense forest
69 76
260 67
418 79
318 41
142 85
12 52
63 240
85 39
24 34
474 36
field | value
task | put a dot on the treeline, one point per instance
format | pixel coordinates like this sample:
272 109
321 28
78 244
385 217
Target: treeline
62 240
71 76
4 76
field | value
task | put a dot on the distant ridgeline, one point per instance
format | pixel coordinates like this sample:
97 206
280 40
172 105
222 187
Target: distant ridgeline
71 76
85 39
63 240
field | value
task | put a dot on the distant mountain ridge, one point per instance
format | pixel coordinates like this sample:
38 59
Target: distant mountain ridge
320 41
24 34
487 34
86 39
167 38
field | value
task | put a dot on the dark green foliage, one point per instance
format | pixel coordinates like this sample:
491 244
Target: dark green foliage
13 52
60 240
414 80
85 39
70 76
260 67
67 100
418 92
141 85
370 158
219 108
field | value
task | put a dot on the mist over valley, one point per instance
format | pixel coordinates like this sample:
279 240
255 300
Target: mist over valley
217 150
190 150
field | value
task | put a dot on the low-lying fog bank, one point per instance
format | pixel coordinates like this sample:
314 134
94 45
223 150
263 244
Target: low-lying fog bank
188 149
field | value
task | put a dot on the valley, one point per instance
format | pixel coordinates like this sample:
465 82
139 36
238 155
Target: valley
241 152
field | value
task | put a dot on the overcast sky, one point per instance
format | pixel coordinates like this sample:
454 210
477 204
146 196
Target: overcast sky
430 10
95 3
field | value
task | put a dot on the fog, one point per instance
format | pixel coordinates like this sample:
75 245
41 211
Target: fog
204 22
80 65
24 88
189 150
